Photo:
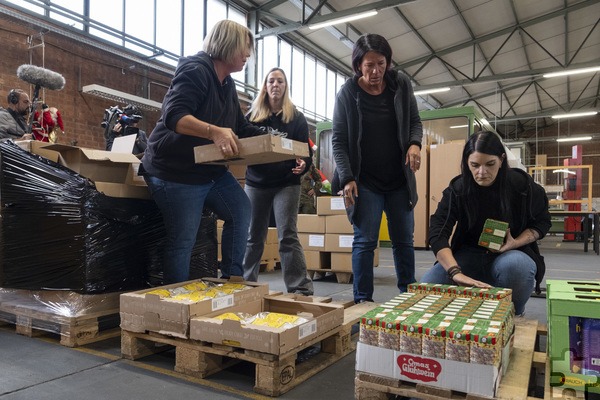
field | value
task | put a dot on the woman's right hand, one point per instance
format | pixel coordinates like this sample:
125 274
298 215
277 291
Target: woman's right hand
464 280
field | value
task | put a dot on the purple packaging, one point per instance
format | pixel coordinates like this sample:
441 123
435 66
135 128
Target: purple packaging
575 343
591 346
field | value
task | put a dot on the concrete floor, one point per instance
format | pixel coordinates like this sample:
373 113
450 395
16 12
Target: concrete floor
40 368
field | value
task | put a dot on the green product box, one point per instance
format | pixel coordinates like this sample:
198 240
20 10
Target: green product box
567 306
493 233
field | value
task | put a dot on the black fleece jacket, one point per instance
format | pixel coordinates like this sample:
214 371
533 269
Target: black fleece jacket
195 90
279 174
528 209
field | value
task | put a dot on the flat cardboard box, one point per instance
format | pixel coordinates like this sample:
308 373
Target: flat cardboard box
338 224
261 149
312 241
112 173
142 312
330 205
322 318
476 379
311 223
338 243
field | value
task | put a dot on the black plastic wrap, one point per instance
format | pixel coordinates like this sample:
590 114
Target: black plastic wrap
58 232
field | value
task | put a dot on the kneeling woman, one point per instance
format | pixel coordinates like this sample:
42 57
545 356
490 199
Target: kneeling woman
489 188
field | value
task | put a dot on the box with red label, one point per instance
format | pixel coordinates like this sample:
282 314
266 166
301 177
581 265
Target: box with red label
168 309
476 379
318 318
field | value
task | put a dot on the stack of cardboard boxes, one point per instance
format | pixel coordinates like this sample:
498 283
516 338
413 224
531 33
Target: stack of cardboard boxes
327 239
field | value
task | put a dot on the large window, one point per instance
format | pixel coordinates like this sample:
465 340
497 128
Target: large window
168 29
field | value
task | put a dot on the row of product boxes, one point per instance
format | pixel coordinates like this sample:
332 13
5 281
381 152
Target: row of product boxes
195 309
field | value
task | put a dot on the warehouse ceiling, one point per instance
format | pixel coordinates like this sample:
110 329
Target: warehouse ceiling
491 53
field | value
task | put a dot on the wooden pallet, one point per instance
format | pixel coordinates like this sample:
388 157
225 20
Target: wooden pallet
274 374
340 276
96 321
514 384
271 264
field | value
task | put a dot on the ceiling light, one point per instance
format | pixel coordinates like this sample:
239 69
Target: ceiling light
574 139
572 72
564 171
341 20
429 91
459 126
575 115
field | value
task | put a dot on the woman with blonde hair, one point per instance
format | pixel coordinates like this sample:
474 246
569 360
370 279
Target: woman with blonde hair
275 187
201 107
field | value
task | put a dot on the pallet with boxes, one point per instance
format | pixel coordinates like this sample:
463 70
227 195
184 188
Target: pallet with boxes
327 237
208 337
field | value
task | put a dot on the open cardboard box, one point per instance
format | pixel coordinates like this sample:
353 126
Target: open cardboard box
261 149
322 317
113 173
141 311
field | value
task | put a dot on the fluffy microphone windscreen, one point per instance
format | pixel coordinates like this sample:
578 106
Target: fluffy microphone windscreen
41 76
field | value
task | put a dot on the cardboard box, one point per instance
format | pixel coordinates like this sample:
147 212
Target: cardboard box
477 379
142 312
261 149
312 241
311 223
569 304
421 210
444 164
330 205
317 259
338 224
338 243
272 236
111 172
322 318
343 261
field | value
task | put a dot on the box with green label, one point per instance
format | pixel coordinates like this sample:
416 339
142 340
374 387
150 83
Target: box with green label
574 334
493 234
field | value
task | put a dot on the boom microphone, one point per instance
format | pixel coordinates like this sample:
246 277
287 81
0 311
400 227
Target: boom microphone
41 77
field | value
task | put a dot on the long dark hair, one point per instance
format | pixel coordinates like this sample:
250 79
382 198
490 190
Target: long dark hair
371 42
488 143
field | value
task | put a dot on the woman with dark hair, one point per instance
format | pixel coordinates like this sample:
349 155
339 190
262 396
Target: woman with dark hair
201 107
488 188
276 186
376 144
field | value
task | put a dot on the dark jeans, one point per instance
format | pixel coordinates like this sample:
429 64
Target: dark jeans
367 220
181 206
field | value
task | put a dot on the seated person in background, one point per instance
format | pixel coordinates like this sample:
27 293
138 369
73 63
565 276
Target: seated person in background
13 122
488 188
127 124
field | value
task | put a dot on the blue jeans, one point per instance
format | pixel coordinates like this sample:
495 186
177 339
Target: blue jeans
367 220
514 270
181 206
284 203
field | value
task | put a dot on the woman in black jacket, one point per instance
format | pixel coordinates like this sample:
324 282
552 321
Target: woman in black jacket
489 189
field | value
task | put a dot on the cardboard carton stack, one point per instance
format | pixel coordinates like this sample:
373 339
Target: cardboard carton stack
270 253
451 337
327 237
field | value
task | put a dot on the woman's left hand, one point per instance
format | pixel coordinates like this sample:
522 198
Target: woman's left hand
300 166
509 243
413 157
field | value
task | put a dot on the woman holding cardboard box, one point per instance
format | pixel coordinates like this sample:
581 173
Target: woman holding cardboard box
488 192
201 107
376 143
276 186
